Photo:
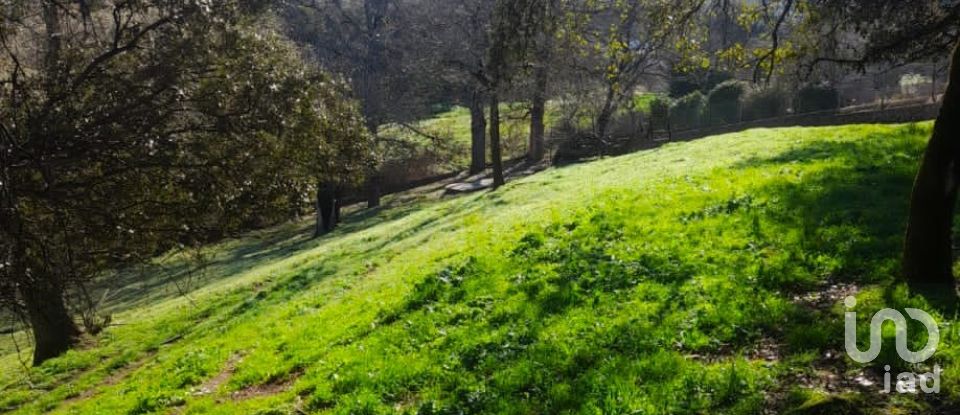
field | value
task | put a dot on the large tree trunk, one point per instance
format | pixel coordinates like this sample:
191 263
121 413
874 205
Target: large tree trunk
54 331
54 52
326 209
373 182
541 73
374 191
41 293
478 134
338 205
928 250
495 140
372 88
537 111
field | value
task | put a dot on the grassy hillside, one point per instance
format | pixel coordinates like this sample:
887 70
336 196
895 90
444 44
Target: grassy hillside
701 277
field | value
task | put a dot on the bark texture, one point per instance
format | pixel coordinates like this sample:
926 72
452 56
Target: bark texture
495 153
928 248
372 87
606 113
537 111
327 209
54 331
478 133
374 190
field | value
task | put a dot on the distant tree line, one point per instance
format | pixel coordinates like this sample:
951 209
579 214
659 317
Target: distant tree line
596 53
404 56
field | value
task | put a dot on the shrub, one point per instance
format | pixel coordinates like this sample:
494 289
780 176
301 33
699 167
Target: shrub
723 102
687 112
641 102
659 107
625 124
715 78
659 112
817 98
681 87
764 103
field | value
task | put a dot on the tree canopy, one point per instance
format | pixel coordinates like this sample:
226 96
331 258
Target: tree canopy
134 127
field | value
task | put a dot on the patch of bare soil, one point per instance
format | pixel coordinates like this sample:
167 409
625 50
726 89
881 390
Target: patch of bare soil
271 388
766 349
823 299
212 384
484 180
828 372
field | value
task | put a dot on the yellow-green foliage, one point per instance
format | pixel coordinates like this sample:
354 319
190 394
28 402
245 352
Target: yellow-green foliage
642 101
636 284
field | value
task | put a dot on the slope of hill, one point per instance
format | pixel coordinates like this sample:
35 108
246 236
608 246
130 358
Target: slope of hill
701 277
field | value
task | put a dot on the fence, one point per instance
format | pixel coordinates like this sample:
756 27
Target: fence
842 116
575 149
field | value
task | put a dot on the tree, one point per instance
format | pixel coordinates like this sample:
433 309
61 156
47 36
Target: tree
497 74
485 47
514 25
478 133
344 157
138 127
928 247
374 44
547 19
633 40
454 39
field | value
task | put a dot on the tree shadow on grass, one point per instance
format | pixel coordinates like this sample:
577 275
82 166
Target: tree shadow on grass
850 213
849 216
853 209
183 273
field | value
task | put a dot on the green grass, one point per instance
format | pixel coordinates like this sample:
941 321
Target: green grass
646 283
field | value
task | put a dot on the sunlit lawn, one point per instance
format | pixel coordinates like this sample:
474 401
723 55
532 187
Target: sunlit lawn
674 280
